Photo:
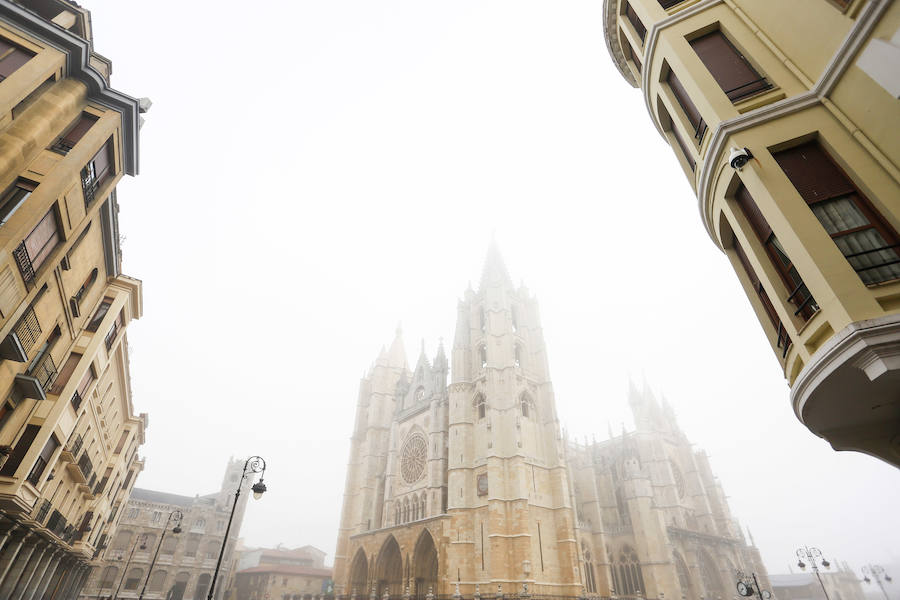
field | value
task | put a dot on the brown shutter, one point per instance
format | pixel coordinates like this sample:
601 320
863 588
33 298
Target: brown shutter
753 214
99 315
42 239
65 373
13 58
684 149
684 100
102 161
727 66
635 21
85 122
813 174
86 382
22 446
49 448
757 286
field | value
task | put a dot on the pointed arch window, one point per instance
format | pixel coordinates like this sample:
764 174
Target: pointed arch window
422 506
525 404
630 577
482 354
480 406
420 394
589 580
482 319
515 319
518 354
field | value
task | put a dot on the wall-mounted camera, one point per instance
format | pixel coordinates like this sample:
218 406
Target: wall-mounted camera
738 157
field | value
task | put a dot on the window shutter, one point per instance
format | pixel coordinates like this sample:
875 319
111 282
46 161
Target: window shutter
65 373
753 214
635 21
42 239
85 122
13 57
727 66
22 446
754 281
49 448
813 173
684 100
102 161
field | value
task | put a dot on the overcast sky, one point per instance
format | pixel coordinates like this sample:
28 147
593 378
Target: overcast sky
313 173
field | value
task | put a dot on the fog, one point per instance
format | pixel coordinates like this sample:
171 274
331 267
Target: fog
313 173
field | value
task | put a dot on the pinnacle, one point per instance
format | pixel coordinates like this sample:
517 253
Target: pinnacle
494 272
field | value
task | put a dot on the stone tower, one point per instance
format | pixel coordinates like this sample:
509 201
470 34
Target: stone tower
511 517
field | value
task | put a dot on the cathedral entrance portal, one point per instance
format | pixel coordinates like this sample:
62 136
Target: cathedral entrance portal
425 566
359 574
389 570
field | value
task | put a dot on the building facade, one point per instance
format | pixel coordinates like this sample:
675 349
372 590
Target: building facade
473 484
184 562
305 556
282 582
69 436
842 584
783 118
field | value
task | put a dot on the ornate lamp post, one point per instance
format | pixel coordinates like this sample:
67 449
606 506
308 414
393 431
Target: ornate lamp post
176 516
748 585
142 540
814 556
254 464
877 573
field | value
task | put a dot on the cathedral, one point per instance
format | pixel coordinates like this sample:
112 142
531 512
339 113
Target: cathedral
461 479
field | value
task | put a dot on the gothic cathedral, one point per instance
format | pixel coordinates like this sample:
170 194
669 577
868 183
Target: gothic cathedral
472 486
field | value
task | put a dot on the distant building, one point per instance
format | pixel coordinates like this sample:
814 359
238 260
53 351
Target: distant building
783 116
186 561
69 435
473 483
305 556
841 585
282 582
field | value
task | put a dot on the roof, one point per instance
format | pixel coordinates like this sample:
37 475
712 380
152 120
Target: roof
791 580
161 497
289 570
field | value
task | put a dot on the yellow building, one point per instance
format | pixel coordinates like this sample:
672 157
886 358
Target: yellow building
784 117
68 433
282 582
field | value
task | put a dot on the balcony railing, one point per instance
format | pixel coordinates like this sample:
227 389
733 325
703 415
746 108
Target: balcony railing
784 341
63 146
87 468
23 261
669 3
89 185
77 443
57 524
42 511
28 329
748 89
700 130
44 370
76 400
111 336
804 301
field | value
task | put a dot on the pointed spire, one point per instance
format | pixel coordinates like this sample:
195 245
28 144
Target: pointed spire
397 353
494 272
440 359
422 361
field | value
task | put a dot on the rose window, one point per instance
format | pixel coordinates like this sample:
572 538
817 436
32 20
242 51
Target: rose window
412 458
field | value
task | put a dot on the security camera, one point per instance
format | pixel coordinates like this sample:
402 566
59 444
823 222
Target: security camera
738 157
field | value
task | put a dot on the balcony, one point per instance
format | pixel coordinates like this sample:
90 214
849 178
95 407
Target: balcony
76 401
23 261
22 338
35 382
42 511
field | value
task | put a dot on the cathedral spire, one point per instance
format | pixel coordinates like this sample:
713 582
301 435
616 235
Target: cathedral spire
494 272
397 353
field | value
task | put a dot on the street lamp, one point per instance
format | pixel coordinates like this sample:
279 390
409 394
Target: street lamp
877 572
814 556
176 516
142 540
747 588
254 464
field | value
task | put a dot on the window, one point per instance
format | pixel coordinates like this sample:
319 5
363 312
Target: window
524 404
635 21
799 295
35 248
631 54
157 515
14 198
75 301
482 354
133 513
83 385
684 148
68 140
21 449
133 578
108 578
420 394
669 3
193 544
867 242
590 584
514 318
65 373
94 324
96 172
627 576
114 331
734 74
480 405
122 440
687 106
482 318
518 355
11 58
43 460
783 340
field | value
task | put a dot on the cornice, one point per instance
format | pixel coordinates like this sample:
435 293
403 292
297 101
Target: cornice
78 55
840 61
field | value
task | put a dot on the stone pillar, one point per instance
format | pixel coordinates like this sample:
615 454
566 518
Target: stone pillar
12 551
41 585
56 582
76 581
36 565
15 572
79 582
65 579
7 534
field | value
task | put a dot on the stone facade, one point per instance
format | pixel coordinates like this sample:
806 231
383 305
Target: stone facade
69 436
776 112
185 561
842 584
471 485
282 582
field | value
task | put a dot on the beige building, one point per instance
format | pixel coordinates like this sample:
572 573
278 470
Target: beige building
185 561
304 556
282 582
69 437
841 584
474 484
784 118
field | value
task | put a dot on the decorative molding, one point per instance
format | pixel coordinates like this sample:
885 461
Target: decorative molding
610 33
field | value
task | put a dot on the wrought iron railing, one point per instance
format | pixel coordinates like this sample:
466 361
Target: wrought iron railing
111 336
700 130
23 261
784 341
76 400
803 299
44 370
42 511
748 89
77 443
669 3
62 146
89 186
87 468
34 476
57 523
